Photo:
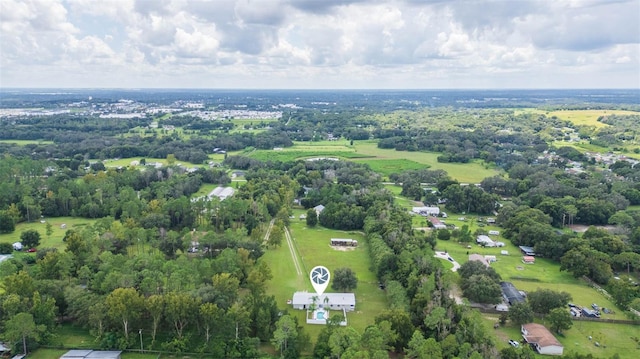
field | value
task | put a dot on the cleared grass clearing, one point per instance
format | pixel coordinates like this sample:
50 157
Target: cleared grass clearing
473 172
387 167
53 241
312 245
27 142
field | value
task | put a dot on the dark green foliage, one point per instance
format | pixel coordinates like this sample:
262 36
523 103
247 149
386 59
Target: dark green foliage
344 280
7 222
542 301
30 238
312 217
520 313
6 248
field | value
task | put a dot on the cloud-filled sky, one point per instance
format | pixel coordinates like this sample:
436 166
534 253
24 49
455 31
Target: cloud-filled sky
308 44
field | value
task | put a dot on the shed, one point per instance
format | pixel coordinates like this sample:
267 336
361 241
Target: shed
437 224
527 251
538 336
319 208
346 301
490 259
344 242
528 259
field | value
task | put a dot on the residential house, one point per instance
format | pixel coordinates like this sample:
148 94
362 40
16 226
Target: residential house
541 339
335 301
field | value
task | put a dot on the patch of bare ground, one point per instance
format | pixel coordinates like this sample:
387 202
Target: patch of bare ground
342 248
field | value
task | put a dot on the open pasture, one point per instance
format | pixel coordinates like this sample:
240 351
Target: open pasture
579 117
473 172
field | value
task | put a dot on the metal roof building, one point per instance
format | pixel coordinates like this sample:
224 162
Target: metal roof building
511 293
91 354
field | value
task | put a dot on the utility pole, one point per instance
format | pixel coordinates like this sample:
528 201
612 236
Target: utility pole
141 348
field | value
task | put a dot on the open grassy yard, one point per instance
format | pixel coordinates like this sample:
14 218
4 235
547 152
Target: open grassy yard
613 338
53 241
312 245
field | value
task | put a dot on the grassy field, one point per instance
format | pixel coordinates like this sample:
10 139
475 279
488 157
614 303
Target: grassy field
27 142
53 241
473 172
613 338
313 249
580 117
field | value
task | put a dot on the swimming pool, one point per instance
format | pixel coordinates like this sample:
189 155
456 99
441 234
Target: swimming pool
320 315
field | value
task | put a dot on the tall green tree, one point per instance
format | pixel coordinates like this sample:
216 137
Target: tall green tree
22 327
521 313
124 305
30 238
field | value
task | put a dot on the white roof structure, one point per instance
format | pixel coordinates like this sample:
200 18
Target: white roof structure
91 354
221 192
428 211
486 240
300 298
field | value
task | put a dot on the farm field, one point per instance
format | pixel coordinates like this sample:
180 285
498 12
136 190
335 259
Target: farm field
580 117
613 338
313 249
473 172
383 161
53 241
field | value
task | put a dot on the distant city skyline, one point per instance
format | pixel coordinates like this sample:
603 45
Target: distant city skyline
320 44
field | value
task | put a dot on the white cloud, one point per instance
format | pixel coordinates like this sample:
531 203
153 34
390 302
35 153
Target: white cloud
328 43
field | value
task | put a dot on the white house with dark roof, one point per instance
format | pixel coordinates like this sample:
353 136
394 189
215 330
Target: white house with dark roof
538 336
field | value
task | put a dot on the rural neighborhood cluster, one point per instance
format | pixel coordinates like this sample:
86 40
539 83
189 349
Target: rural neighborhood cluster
185 224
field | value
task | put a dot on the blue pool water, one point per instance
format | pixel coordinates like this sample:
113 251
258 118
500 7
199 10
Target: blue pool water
320 315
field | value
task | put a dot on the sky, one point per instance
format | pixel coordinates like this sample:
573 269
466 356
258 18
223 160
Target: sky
320 44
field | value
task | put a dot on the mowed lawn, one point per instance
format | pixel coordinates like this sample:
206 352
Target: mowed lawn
613 338
473 172
312 247
544 274
53 241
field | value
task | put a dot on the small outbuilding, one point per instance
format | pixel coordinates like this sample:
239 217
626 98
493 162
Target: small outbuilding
485 241
17 246
527 251
540 338
528 259
511 294
344 242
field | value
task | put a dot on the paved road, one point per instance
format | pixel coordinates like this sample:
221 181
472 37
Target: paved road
447 257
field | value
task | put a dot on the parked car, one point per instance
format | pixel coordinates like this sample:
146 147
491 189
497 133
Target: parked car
514 343
31 250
